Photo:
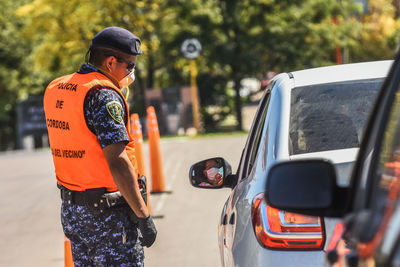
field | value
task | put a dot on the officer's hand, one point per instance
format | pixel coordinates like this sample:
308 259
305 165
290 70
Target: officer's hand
148 230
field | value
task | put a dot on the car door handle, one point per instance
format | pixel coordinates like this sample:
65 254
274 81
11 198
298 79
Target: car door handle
232 219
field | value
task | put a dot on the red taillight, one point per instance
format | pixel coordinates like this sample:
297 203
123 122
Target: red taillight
277 229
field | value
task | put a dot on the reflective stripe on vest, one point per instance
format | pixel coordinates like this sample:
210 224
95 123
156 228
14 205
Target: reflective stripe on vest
78 159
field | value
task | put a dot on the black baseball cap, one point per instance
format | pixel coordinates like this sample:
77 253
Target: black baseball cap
119 39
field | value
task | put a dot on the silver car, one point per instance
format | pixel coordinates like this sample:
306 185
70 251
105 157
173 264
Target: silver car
314 113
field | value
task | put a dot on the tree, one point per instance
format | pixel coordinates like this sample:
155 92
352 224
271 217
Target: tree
61 39
16 78
380 32
240 39
243 38
303 34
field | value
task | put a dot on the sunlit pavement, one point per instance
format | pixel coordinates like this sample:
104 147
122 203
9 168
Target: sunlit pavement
186 218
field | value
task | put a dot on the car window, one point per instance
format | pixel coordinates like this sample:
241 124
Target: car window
258 138
382 227
255 135
388 171
330 116
386 179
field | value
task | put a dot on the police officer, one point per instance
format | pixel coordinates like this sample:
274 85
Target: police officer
102 211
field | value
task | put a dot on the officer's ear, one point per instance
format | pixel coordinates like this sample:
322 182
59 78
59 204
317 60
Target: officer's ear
108 63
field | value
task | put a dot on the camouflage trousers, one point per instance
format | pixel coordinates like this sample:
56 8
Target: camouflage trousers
105 239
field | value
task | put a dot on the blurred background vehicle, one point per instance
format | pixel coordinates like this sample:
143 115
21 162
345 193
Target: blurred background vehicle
370 206
315 113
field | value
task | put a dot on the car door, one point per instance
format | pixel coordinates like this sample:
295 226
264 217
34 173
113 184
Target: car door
382 230
229 216
373 224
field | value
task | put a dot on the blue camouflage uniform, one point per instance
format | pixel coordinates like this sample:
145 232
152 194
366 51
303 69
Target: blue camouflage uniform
109 238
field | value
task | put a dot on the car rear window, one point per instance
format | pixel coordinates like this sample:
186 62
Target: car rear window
330 116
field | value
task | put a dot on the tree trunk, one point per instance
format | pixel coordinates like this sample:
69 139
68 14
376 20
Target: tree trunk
150 72
396 4
238 105
138 100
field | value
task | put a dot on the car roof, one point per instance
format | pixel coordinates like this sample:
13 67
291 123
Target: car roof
344 72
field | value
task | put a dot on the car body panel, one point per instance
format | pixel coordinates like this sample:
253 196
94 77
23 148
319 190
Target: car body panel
343 161
346 72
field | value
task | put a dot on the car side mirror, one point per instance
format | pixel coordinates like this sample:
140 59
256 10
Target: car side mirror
306 187
210 173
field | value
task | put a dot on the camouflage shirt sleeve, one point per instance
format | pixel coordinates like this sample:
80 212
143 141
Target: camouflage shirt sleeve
104 113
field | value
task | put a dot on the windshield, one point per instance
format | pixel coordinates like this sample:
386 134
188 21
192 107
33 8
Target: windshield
330 116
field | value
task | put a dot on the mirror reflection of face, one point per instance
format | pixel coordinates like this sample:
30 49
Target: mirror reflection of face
213 172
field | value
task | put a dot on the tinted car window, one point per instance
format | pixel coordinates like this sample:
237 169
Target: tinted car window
389 157
258 137
386 180
330 116
254 137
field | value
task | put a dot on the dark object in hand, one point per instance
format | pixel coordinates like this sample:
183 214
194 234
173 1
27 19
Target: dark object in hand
148 231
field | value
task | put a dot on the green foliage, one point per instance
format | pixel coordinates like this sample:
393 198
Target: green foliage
61 33
43 39
380 33
304 35
213 98
246 38
16 81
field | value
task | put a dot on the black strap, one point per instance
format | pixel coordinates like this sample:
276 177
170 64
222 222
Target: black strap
73 197
92 196
97 200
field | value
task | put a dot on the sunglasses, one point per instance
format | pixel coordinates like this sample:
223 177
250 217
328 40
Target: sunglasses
131 65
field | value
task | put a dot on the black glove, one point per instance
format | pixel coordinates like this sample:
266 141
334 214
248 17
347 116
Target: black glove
148 231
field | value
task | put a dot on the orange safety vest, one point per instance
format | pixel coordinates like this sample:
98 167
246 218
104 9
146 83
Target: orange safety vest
78 159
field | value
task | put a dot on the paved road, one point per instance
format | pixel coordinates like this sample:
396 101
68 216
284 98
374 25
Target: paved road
186 218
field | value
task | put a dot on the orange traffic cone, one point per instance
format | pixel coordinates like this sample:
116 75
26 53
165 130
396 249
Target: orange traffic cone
157 175
68 262
136 132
